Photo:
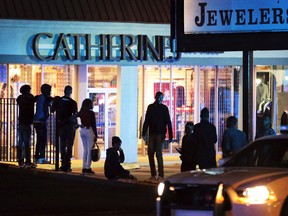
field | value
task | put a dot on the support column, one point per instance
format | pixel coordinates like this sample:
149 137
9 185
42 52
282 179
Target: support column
248 110
126 116
82 84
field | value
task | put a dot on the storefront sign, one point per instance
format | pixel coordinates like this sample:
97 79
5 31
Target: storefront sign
110 47
235 16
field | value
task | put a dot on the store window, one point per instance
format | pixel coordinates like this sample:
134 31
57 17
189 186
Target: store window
219 92
102 77
178 90
271 94
12 77
16 75
214 87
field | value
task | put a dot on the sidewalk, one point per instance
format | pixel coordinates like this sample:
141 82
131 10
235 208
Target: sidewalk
58 193
140 169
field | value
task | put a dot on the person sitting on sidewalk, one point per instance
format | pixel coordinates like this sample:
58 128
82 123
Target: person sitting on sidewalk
113 169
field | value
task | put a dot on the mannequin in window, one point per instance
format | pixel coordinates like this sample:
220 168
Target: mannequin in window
262 92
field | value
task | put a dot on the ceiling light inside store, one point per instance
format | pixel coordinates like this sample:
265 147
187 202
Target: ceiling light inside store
148 68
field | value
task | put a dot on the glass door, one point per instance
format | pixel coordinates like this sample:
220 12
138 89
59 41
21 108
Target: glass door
104 106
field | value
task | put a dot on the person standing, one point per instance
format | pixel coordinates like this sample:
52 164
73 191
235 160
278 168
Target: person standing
188 155
265 129
43 101
157 119
206 138
25 103
66 116
233 139
88 133
113 169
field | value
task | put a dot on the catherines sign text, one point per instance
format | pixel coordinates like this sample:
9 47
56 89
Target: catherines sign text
106 47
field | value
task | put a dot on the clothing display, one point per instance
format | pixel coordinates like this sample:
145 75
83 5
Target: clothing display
262 92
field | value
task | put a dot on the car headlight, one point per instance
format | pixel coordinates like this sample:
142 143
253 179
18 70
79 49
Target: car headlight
161 188
256 195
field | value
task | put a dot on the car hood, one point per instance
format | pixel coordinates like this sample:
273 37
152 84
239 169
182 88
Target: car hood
228 175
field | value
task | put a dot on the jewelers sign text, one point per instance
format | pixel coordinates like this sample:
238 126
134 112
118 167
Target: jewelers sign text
235 16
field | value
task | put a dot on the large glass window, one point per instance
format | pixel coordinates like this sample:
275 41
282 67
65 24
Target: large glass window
271 94
219 92
187 89
12 77
102 77
16 75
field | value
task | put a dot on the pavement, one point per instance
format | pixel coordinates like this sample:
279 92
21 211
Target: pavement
44 191
140 169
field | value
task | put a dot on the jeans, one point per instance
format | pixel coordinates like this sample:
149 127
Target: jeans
41 139
24 145
67 136
87 137
155 145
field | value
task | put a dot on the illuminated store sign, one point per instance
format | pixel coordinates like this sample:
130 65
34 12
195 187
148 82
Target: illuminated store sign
106 47
235 16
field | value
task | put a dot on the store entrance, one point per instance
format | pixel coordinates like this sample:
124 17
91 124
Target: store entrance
104 106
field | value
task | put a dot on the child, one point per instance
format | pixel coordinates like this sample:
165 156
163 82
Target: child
114 156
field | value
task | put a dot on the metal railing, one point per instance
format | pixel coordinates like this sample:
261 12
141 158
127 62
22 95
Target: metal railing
9 133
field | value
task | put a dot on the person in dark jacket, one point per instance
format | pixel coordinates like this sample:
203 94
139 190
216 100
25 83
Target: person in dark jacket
266 128
114 157
66 115
157 119
206 138
25 102
43 101
189 151
233 139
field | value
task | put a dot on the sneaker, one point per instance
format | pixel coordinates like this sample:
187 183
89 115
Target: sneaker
152 179
160 179
31 165
65 169
22 165
89 171
84 171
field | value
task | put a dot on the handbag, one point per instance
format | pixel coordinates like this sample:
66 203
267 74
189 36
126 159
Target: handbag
95 153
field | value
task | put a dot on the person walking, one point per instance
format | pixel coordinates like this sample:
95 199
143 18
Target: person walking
88 133
157 119
188 149
66 117
233 139
43 101
206 137
25 103
113 169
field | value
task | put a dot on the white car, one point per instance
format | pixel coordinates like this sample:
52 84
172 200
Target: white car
253 182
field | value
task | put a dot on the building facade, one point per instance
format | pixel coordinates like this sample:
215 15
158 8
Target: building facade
121 65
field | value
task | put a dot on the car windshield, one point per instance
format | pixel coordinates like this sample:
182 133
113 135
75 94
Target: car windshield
262 153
